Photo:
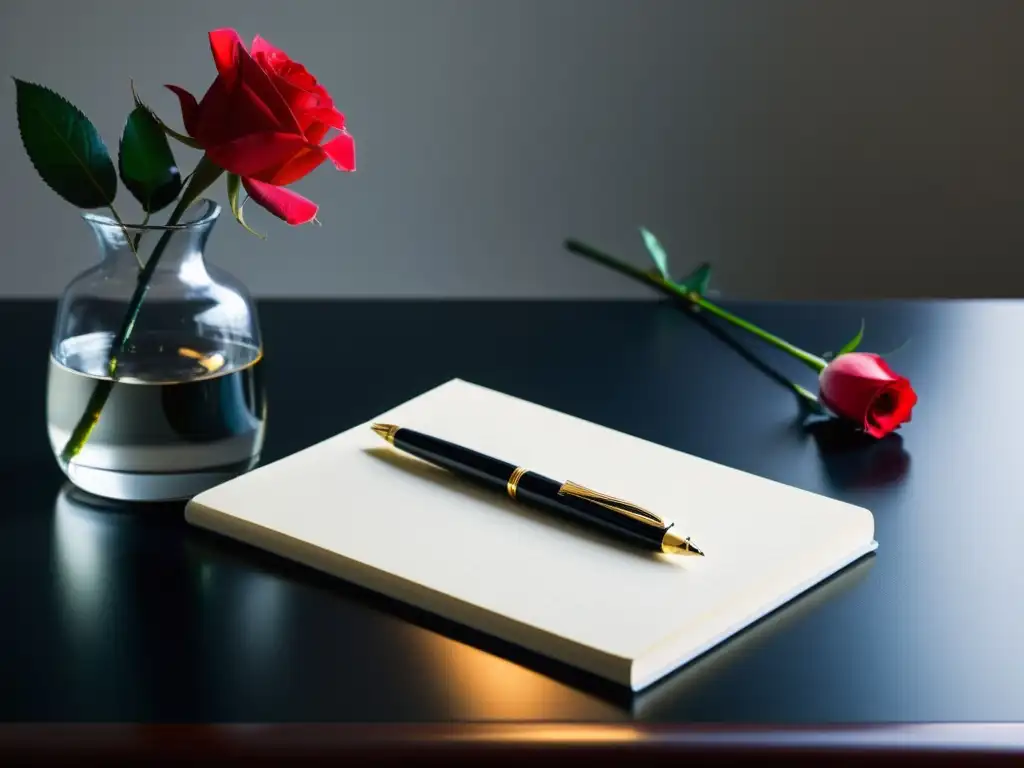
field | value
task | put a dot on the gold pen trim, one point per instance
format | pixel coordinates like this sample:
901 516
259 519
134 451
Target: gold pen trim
513 480
674 544
387 431
621 506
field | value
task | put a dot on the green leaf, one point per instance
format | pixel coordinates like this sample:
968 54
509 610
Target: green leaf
65 147
657 253
146 162
697 281
853 343
182 138
234 187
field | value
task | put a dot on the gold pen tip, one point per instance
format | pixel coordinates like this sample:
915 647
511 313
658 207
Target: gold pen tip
674 544
386 431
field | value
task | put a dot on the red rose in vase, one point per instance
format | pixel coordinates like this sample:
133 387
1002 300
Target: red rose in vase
263 121
264 118
862 388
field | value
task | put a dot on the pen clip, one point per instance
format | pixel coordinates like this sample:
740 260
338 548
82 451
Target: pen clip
621 506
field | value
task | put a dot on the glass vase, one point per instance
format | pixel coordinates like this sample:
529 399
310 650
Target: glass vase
160 403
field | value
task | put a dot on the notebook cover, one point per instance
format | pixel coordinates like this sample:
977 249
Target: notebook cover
359 509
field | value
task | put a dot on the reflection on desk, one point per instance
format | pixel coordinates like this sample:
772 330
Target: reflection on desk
94 557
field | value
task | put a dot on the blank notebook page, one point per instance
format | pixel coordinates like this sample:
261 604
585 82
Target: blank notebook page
358 508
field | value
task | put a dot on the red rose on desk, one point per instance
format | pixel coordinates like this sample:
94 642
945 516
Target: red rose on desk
861 387
263 119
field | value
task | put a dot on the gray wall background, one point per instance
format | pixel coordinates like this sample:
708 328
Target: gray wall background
831 148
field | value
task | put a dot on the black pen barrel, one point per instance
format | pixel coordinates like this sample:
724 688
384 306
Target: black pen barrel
527 487
456 458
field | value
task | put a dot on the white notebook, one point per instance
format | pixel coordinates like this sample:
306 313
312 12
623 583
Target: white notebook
359 509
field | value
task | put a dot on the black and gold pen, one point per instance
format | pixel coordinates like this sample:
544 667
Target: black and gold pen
616 516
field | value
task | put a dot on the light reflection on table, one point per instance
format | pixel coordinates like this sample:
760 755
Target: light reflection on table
483 686
244 622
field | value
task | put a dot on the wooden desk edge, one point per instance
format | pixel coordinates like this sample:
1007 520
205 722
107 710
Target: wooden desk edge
469 743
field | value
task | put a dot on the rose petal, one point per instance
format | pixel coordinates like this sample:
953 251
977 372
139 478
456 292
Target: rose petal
189 107
317 122
875 427
259 155
283 203
309 101
851 382
328 115
875 431
277 62
261 85
299 99
864 366
262 47
905 399
308 105
883 418
299 166
293 72
228 112
291 78
225 45
342 151
315 132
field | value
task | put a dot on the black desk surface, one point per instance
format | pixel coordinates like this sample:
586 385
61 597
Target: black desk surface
134 616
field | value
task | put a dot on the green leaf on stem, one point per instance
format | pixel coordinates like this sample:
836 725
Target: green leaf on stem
234 188
180 137
146 162
697 281
853 343
657 253
65 147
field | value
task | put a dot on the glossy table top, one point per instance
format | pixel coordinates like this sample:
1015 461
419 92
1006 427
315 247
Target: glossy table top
131 615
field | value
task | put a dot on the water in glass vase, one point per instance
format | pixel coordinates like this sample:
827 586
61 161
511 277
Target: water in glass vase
183 415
